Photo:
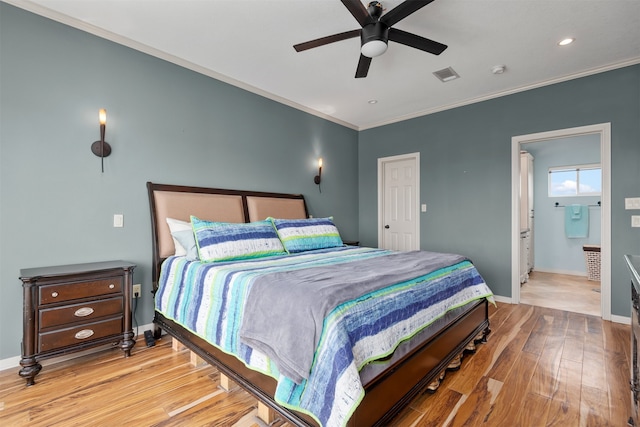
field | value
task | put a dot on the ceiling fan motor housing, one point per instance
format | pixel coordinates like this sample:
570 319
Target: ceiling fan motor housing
372 38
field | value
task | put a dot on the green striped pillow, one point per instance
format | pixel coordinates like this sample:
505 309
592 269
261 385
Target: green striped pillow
299 235
223 241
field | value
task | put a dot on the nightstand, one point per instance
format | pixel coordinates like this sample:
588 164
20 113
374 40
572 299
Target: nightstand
69 308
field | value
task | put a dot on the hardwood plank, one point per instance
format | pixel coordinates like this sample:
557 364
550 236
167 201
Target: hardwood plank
500 313
594 407
537 338
436 408
615 338
545 375
564 408
534 413
478 405
617 372
514 391
593 372
573 348
225 408
513 341
481 363
576 325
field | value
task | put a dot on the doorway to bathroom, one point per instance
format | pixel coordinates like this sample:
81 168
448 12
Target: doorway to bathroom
556 265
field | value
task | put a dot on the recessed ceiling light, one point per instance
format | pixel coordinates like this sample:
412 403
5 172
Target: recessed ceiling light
372 101
566 42
498 69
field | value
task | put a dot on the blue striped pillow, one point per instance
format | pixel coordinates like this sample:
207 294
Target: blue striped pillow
299 235
223 241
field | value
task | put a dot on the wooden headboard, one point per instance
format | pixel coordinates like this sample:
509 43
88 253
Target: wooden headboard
212 204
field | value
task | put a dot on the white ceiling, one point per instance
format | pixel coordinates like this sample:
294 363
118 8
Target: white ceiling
248 43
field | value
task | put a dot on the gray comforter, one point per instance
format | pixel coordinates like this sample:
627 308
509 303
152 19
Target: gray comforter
285 311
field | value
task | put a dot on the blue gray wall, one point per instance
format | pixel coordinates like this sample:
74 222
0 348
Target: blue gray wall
466 169
553 251
166 124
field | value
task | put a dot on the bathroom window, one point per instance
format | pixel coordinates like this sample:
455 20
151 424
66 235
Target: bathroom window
570 181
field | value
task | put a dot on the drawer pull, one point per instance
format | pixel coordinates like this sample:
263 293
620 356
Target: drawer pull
84 311
54 294
83 334
111 286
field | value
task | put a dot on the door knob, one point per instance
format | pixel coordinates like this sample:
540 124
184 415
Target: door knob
386 226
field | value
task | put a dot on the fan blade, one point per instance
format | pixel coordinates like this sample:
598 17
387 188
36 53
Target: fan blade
363 66
359 12
403 10
326 40
416 42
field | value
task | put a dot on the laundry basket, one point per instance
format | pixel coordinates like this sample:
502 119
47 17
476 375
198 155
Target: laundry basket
592 258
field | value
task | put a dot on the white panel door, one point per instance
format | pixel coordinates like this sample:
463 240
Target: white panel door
400 230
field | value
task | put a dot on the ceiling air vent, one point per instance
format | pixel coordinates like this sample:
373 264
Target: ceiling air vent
446 74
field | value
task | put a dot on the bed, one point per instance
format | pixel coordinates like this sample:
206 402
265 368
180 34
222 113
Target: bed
375 380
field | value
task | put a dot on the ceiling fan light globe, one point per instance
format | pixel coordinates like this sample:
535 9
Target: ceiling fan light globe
373 48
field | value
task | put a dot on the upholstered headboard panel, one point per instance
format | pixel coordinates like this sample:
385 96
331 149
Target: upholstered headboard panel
211 207
277 207
212 204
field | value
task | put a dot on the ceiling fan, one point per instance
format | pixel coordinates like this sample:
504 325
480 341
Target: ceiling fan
376 31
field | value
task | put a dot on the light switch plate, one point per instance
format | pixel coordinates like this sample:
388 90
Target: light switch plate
635 220
118 220
423 207
632 203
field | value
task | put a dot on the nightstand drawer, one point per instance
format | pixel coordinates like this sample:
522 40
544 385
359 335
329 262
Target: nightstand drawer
78 334
70 291
80 312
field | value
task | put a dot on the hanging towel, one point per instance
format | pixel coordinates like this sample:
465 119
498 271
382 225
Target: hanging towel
576 221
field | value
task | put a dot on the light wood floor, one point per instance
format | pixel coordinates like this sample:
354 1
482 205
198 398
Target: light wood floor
540 367
562 291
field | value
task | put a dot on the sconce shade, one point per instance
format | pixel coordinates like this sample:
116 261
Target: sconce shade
318 177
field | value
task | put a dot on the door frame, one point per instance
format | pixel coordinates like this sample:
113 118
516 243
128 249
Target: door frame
381 163
604 130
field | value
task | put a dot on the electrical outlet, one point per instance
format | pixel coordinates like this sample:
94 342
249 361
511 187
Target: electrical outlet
635 220
137 290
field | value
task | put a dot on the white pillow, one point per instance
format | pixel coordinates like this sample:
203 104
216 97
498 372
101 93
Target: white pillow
177 225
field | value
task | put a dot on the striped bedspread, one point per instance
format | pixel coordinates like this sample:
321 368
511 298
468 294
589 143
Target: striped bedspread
209 300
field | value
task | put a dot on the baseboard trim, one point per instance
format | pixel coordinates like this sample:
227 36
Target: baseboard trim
621 319
553 271
14 362
10 363
506 300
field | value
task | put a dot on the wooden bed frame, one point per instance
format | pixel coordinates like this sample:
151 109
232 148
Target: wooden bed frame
418 363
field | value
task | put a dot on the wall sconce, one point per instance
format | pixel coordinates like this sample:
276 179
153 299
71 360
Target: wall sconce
101 148
318 178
